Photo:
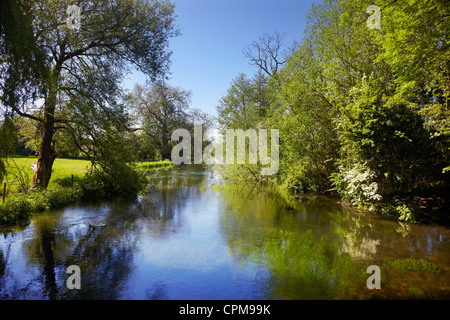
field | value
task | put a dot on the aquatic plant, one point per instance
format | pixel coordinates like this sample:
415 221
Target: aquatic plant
411 264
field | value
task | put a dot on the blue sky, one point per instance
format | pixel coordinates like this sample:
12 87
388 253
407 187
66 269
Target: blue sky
208 54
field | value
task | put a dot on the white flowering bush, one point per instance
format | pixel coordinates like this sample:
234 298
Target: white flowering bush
356 184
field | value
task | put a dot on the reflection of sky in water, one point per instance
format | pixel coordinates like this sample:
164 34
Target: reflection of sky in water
195 260
196 248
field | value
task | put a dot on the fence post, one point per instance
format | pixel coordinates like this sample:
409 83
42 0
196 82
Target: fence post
4 192
72 180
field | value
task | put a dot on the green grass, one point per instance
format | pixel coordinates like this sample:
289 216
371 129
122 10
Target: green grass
154 165
87 186
20 173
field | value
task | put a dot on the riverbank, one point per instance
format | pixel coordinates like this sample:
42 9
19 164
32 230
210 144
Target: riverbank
71 182
430 210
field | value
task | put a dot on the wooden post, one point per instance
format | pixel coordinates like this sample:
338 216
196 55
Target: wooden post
4 192
72 180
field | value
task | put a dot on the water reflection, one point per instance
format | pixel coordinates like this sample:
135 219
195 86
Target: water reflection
189 239
316 249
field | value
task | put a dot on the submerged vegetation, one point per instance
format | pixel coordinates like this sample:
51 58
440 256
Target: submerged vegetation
411 264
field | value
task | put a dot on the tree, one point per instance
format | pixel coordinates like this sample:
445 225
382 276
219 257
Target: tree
266 53
21 67
415 43
312 87
7 132
389 137
23 60
85 67
161 109
244 104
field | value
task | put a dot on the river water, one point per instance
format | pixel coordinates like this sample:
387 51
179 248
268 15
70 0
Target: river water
191 237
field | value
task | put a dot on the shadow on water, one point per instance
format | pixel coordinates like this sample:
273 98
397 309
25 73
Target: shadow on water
189 238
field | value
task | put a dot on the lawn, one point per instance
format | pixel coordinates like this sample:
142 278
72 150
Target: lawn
20 172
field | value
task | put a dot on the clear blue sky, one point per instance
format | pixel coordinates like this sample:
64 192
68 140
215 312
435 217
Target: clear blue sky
208 54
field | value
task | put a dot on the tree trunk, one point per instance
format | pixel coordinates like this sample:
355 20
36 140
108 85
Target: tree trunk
47 154
46 158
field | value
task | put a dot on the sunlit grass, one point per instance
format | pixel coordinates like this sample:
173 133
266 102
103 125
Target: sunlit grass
20 175
154 164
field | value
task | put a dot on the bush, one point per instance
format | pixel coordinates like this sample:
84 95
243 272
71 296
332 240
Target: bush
91 187
15 210
400 212
356 185
59 198
97 184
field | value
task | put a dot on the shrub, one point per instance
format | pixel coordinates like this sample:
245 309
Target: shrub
400 212
14 210
356 185
58 198
97 184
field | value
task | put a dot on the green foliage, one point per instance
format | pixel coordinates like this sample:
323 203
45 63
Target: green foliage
410 264
356 185
23 59
415 43
7 133
245 103
79 74
362 112
161 109
88 185
93 186
98 184
155 164
19 208
394 210
308 268
14 210
437 122
390 138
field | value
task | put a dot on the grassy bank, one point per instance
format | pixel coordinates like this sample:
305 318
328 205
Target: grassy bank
20 174
71 182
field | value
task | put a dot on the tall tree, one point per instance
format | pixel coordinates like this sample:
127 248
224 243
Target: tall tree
241 106
85 66
161 109
266 53
22 59
415 42
21 67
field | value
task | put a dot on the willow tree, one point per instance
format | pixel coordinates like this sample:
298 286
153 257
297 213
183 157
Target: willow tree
21 67
84 67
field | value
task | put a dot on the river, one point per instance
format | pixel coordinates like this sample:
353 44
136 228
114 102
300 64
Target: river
191 237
